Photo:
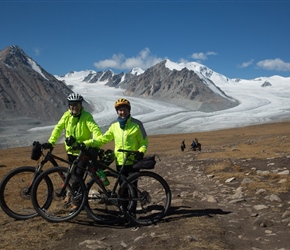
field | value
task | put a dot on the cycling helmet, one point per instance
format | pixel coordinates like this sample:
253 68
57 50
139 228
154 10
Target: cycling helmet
122 102
75 98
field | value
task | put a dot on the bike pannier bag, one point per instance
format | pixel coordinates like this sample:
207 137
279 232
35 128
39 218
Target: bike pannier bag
147 162
36 151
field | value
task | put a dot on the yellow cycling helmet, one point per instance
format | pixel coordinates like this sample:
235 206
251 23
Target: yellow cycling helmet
122 102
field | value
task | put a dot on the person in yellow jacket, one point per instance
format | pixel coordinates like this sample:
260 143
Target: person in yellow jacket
79 126
128 133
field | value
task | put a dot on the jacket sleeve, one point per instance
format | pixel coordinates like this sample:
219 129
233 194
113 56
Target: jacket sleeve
56 132
94 129
143 139
105 138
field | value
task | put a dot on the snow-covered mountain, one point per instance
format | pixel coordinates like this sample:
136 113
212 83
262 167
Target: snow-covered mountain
191 85
188 85
259 100
263 99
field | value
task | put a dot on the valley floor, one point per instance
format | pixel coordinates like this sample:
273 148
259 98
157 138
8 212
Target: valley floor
233 194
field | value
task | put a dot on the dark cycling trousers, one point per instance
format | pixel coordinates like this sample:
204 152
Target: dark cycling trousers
128 170
79 171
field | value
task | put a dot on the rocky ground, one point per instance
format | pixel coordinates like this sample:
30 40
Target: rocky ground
234 194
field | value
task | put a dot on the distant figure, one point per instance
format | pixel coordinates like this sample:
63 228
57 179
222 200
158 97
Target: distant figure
182 146
195 145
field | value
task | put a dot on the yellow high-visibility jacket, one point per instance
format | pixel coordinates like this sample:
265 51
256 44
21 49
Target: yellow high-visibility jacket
83 128
132 137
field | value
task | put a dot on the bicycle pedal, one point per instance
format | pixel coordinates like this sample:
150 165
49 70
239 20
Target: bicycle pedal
66 205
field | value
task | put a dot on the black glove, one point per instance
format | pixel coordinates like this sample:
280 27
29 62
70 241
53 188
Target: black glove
139 156
82 146
46 145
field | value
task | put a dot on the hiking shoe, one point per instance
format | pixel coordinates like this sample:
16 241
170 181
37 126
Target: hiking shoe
67 200
73 208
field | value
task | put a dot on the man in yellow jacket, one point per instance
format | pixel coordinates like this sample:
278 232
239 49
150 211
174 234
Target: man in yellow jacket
79 126
128 133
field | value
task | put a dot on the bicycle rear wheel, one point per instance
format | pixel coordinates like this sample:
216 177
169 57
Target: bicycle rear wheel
52 204
15 191
104 208
154 198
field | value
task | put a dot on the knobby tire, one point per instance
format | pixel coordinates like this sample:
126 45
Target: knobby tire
154 198
52 206
15 198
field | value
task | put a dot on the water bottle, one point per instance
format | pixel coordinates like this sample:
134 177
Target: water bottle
103 177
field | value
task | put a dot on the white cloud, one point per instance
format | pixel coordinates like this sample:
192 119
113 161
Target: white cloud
37 51
143 60
246 64
199 56
274 64
211 53
202 56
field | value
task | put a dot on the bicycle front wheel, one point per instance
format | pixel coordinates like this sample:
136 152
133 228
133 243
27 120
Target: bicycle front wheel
104 208
154 197
57 204
15 193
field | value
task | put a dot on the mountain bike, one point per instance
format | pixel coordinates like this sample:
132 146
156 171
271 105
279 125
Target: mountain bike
143 198
15 187
149 195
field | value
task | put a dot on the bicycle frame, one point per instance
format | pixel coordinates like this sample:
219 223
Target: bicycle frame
91 168
92 165
49 157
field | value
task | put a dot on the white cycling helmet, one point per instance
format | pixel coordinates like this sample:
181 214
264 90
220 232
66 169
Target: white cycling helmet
74 98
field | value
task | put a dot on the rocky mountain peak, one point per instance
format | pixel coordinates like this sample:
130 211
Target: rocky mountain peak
181 87
13 56
27 90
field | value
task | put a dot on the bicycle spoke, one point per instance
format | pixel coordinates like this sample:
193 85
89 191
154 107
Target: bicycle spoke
54 203
15 193
154 198
100 207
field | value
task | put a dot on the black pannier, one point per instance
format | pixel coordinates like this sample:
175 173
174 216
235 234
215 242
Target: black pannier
147 162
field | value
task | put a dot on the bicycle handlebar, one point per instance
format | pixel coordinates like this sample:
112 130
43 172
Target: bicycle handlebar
47 145
129 152
79 146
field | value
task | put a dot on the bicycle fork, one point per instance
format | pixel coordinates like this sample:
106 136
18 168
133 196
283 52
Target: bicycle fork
37 172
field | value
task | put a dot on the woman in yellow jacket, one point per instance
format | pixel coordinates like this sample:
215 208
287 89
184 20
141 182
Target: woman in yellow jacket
128 133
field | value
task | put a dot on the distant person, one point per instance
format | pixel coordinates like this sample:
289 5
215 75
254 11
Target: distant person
79 126
182 146
195 145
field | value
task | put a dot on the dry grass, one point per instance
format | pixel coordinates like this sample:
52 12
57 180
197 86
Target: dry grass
237 153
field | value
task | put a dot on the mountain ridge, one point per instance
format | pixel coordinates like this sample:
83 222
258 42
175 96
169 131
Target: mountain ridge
27 90
183 88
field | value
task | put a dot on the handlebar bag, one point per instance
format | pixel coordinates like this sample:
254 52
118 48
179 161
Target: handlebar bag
36 151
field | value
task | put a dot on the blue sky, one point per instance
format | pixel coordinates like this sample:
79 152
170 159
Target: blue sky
239 39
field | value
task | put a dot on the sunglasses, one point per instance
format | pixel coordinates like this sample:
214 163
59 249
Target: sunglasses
74 104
